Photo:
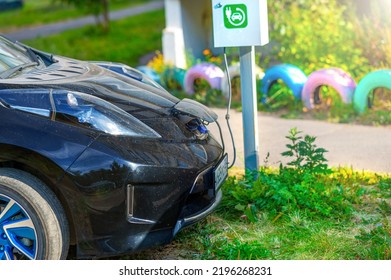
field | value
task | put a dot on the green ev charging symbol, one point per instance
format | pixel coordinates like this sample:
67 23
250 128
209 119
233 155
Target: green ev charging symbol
235 16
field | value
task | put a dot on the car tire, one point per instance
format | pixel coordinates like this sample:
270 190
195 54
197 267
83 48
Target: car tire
174 78
234 72
373 80
207 71
293 77
338 79
33 224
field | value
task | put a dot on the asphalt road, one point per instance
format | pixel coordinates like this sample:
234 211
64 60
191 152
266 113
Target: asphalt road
54 28
357 146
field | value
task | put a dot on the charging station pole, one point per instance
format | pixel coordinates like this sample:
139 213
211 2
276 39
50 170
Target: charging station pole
244 24
250 108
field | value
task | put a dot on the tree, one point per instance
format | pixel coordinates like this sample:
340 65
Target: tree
99 8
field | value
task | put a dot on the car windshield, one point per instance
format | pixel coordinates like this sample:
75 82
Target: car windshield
12 55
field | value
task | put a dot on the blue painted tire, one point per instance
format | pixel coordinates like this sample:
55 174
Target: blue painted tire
32 221
207 71
174 77
373 80
338 79
291 75
149 72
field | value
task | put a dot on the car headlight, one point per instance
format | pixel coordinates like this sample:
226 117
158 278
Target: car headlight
78 109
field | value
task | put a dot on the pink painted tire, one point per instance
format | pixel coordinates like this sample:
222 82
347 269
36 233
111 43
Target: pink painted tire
207 71
336 78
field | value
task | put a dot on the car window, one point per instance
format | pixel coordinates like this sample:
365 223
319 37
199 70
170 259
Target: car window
11 55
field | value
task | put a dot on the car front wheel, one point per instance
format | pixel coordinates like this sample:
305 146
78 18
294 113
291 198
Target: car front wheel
32 221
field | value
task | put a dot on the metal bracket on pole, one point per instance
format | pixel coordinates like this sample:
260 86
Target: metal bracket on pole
249 105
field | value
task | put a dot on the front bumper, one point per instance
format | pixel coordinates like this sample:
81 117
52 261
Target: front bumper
199 216
124 206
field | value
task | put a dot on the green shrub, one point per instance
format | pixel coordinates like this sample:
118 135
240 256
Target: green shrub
304 184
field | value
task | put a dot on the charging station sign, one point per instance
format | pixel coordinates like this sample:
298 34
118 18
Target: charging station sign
238 23
235 16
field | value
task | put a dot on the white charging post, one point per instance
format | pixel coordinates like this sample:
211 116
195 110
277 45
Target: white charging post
244 24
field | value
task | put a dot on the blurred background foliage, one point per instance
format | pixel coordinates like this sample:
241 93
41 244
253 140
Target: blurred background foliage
354 35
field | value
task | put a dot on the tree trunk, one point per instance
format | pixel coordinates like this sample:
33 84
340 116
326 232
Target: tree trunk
105 14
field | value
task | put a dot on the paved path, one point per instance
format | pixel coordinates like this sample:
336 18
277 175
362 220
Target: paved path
54 28
360 147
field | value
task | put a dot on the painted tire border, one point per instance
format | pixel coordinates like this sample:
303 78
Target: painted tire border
337 78
234 72
291 75
207 71
373 80
174 73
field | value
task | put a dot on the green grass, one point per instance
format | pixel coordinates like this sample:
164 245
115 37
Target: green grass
37 12
128 40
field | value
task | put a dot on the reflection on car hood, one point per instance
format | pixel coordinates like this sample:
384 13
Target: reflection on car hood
89 78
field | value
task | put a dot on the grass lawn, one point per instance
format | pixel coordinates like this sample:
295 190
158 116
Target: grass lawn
37 12
128 40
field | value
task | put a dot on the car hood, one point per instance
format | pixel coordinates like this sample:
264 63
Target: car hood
86 77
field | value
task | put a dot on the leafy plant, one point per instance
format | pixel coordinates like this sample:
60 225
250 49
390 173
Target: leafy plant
307 157
303 185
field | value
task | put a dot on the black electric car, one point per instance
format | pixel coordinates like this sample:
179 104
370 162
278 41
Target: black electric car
97 156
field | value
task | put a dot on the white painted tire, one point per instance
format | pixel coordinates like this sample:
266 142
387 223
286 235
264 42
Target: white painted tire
234 72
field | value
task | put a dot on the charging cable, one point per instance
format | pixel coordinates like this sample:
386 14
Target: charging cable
227 115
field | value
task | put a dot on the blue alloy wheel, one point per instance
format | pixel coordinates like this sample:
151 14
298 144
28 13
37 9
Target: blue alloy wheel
32 221
18 239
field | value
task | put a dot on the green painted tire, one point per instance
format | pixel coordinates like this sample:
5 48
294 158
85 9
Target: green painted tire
174 77
375 79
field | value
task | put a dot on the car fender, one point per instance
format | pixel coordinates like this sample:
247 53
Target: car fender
41 167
